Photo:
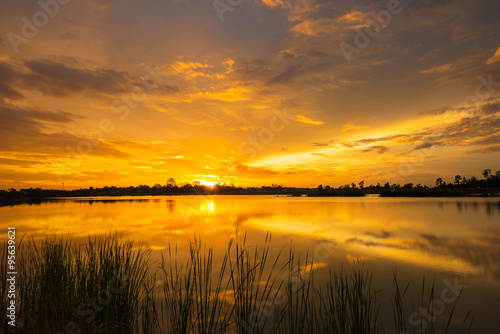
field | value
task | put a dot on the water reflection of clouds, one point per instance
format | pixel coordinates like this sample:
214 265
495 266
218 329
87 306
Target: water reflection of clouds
479 254
447 236
207 203
436 233
371 243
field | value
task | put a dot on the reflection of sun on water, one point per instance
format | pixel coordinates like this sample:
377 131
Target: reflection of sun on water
369 229
207 206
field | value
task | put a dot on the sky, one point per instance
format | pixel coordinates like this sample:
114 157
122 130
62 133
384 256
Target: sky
250 92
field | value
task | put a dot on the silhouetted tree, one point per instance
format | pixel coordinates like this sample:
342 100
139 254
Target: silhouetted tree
320 187
458 178
439 182
157 188
171 183
486 173
362 184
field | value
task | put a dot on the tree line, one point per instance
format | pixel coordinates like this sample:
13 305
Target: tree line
171 187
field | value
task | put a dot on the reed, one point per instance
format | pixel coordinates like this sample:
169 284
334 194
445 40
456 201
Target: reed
108 285
349 304
423 315
64 287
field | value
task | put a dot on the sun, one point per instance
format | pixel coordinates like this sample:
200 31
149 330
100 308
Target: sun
207 183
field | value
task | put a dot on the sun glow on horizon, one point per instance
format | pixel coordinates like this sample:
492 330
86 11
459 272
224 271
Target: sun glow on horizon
208 183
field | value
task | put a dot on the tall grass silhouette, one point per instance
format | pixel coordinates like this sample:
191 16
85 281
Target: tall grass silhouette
109 285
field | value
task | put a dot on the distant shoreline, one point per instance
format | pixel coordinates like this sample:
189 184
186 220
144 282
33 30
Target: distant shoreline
9 199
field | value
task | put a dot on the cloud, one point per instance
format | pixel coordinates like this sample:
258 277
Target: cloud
287 75
350 127
486 140
494 58
9 93
236 168
439 69
486 150
381 149
252 70
385 139
355 17
322 144
298 10
191 70
311 27
427 145
16 120
307 120
438 111
302 67
383 234
230 94
491 108
8 77
476 127
318 26
430 237
57 79
62 80
21 130
301 54
274 3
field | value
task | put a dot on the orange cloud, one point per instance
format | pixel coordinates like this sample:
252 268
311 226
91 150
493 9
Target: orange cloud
349 21
495 58
307 120
349 127
274 3
312 27
354 17
230 94
439 69
189 70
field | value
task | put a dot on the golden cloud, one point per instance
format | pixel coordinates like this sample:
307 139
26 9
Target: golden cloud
439 69
229 95
190 70
349 127
307 120
349 21
495 58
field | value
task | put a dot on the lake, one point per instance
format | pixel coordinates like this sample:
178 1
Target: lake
455 241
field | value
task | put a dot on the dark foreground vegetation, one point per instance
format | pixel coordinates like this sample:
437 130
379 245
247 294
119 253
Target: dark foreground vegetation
461 186
107 285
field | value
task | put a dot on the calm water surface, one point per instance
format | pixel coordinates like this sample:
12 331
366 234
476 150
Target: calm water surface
445 239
